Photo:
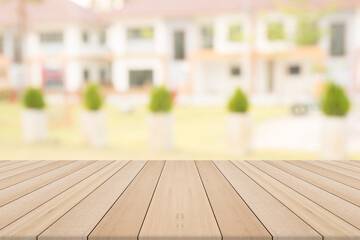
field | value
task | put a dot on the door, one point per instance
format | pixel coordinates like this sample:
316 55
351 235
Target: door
179 45
270 76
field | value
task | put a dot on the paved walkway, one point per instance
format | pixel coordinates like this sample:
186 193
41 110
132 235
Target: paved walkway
301 133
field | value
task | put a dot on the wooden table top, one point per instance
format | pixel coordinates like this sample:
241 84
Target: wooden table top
179 200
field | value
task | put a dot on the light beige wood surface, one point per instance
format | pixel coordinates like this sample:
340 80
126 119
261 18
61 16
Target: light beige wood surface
125 218
35 222
341 208
352 163
22 189
180 208
232 214
99 200
282 223
341 190
337 169
71 225
20 177
27 203
326 223
342 178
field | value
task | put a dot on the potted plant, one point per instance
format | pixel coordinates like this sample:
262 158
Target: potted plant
335 107
93 118
34 118
238 124
160 120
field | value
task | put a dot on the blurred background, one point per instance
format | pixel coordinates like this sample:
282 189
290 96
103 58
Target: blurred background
281 53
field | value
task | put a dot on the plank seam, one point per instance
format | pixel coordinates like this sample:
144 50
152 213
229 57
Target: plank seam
37 237
342 167
54 196
46 184
207 196
19 167
152 196
272 237
313 183
303 195
277 199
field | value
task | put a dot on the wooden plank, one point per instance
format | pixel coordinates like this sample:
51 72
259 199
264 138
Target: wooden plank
21 177
21 189
235 219
348 193
282 223
23 205
23 169
35 222
125 218
17 165
326 223
352 182
341 170
341 208
344 165
8 163
352 163
72 224
180 208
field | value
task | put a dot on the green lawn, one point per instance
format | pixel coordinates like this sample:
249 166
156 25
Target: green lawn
199 135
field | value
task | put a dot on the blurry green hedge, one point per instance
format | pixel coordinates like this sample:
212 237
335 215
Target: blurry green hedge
160 101
238 102
34 99
93 100
335 101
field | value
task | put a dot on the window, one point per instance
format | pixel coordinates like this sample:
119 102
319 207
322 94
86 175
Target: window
236 33
86 75
337 40
140 33
235 71
102 38
141 78
179 45
294 70
53 78
51 38
207 37
275 32
85 37
1 45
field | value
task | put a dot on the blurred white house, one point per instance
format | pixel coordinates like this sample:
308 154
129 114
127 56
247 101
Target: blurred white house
200 49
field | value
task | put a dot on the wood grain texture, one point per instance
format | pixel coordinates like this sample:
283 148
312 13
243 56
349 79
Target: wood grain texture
125 218
342 178
352 163
9 181
341 190
18 164
338 206
180 208
27 203
326 223
344 165
35 222
23 169
235 219
8 163
72 225
337 169
282 223
22 189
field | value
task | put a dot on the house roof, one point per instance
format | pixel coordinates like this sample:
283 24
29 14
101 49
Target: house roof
49 11
174 8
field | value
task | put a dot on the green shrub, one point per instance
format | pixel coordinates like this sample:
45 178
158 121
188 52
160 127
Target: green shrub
93 100
238 102
160 101
34 99
335 102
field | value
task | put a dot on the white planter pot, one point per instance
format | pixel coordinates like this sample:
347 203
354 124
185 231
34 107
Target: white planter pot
94 128
334 138
239 133
161 131
34 125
